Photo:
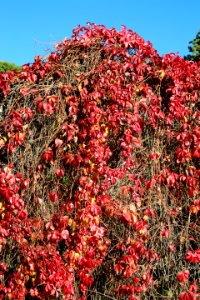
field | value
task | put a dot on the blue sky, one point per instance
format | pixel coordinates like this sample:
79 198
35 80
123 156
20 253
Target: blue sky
30 28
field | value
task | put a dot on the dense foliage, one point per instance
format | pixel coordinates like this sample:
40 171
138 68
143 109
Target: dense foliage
194 49
5 66
99 174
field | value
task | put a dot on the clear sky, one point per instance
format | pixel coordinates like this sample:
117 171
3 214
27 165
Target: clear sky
31 27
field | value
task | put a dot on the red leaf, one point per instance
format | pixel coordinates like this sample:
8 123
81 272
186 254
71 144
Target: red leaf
60 172
58 142
54 196
193 257
128 217
65 234
48 155
118 268
187 296
183 276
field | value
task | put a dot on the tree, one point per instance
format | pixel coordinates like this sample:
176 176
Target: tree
6 66
194 49
99 172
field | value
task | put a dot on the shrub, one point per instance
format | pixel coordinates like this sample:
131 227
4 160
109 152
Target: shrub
99 177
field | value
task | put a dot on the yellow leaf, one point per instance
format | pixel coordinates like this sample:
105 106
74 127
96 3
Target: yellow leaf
80 87
93 200
3 140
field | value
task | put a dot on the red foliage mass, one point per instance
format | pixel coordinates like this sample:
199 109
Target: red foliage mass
99 171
